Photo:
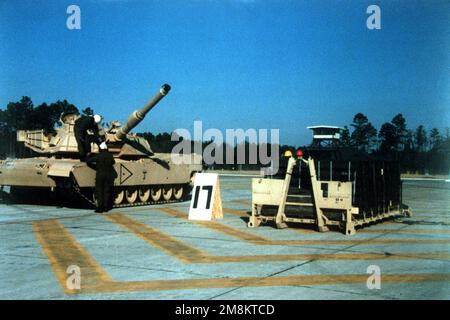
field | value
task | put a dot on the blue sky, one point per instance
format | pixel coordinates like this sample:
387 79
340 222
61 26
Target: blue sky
233 63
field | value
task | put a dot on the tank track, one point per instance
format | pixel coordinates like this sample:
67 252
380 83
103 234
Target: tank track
78 191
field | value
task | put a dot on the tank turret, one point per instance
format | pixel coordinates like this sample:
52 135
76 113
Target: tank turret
119 139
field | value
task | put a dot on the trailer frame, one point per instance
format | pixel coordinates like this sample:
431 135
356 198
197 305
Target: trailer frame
327 197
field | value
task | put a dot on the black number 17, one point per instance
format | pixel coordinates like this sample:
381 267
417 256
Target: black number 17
197 193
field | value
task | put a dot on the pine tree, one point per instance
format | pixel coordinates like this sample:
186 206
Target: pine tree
364 134
435 138
420 139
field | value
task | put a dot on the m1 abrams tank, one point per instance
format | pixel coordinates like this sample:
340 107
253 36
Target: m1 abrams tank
143 177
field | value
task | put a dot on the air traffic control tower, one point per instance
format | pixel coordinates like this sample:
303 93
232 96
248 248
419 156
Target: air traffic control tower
325 136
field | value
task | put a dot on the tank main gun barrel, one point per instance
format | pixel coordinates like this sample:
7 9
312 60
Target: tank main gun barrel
137 116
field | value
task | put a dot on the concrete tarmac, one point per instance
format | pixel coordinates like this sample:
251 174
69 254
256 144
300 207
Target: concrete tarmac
155 252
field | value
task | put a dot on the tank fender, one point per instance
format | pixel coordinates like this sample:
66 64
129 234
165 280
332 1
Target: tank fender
61 169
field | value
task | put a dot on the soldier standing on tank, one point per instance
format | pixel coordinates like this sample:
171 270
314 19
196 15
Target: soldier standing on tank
84 139
103 163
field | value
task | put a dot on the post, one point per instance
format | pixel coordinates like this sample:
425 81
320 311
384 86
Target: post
279 219
318 170
331 170
299 175
317 196
349 172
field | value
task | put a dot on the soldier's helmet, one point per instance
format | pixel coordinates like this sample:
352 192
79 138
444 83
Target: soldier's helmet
97 119
288 153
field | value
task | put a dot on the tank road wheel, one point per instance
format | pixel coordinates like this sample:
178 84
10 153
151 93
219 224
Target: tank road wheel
131 194
144 194
118 196
167 193
155 193
178 192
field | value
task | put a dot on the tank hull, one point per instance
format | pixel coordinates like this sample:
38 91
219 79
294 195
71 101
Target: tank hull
157 172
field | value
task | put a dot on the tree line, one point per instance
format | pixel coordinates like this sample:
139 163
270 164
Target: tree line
24 115
418 150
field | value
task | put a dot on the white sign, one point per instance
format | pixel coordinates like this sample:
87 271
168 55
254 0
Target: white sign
206 202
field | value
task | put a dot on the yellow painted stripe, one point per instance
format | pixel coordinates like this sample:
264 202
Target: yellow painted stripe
406 231
419 221
432 217
63 250
216 226
238 213
432 214
297 280
331 256
242 201
189 254
158 239
254 239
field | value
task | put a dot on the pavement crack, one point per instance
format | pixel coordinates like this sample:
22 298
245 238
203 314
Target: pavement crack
153 269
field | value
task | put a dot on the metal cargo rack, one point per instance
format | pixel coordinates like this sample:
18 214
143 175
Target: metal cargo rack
373 196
